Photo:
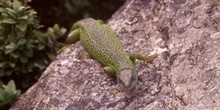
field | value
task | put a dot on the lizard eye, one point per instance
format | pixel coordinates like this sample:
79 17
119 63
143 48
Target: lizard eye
127 79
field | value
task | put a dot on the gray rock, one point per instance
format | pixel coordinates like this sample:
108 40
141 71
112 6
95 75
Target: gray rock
184 76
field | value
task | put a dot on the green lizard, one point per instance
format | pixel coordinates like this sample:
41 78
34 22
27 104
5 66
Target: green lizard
102 44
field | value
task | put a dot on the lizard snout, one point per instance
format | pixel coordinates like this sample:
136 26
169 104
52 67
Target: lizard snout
126 79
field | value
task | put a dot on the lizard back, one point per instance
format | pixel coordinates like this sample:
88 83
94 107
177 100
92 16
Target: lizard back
102 44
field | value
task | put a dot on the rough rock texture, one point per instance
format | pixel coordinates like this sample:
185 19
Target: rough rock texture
185 76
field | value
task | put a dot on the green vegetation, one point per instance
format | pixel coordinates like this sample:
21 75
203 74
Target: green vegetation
20 40
8 94
24 50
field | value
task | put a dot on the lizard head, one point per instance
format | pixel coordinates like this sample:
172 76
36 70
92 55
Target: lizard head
127 79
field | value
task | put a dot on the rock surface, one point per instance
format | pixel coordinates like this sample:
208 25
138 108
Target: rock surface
185 76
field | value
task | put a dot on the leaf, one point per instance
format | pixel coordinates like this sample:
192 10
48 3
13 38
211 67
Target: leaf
12 64
10 10
21 27
51 55
21 41
3 95
20 33
56 27
23 59
5 3
28 53
40 47
2 9
29 44
23 17
31 12
58 30
11 86
16 5
42 40
12 38
14 55
40 64
8 93
25 1
2 73
12 14
9 48
9 21
2 64
21 8
63 30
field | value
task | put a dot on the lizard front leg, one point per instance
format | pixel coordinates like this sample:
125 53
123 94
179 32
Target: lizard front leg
109 70
135 56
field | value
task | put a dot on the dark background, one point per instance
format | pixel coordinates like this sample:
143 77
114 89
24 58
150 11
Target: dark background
66 12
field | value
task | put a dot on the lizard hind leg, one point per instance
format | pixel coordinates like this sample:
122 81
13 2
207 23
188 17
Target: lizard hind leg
73 36
100 21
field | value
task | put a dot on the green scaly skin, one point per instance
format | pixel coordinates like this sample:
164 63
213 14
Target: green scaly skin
103 45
